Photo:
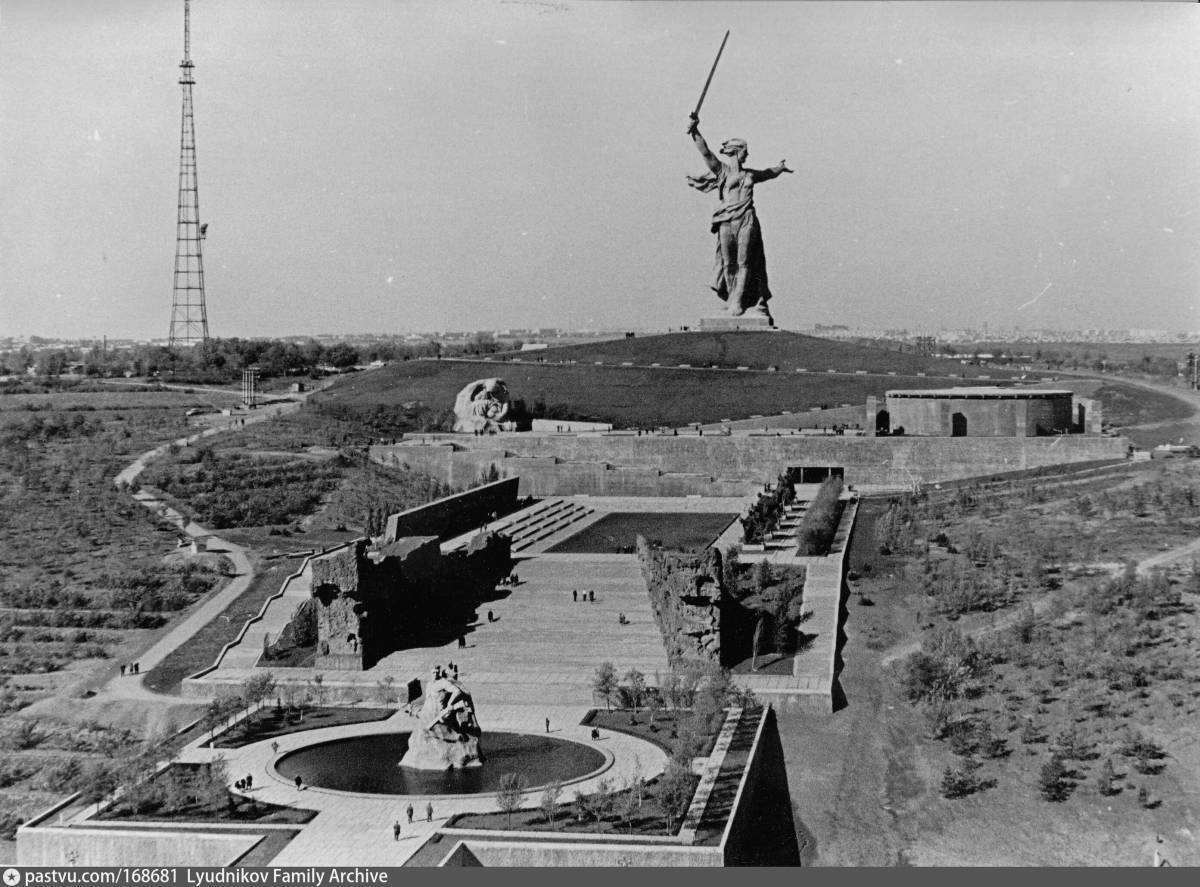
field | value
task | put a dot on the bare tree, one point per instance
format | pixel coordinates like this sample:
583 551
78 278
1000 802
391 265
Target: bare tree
549 801
510 795
604 683
635 691
674 790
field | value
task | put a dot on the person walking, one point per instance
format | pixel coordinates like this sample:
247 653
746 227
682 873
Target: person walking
396 830
429 811
409 811
299 782
547 725
574 600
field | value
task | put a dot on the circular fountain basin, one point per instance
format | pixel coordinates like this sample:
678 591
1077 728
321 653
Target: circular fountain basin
371 765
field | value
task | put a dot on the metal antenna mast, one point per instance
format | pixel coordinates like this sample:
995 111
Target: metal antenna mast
189 318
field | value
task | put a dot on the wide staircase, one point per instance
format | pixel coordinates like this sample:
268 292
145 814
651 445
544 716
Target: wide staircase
783 537
538 523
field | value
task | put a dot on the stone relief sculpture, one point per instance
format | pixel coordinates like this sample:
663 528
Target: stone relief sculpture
482 407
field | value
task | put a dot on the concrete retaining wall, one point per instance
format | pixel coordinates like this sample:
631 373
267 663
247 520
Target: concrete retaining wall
737 844
622 464
811 419
455 515
79 846
510 854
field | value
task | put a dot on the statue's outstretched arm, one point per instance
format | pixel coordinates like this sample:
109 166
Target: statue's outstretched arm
765 175
702 146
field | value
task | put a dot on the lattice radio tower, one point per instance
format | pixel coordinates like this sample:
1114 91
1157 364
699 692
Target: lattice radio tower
189 318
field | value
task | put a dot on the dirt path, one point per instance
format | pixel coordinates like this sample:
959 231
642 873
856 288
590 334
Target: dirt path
1162 559
903 651
133 688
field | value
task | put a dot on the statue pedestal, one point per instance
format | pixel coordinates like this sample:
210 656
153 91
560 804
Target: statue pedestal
726 323
441 750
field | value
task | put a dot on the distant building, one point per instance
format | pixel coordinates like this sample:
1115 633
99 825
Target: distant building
983 412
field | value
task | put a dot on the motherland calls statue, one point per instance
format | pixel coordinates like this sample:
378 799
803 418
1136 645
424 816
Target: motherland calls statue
482 407
741 264
447 736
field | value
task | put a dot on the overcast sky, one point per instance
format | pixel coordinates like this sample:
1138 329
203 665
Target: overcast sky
391 166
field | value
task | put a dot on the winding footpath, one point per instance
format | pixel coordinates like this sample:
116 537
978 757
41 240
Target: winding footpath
129 688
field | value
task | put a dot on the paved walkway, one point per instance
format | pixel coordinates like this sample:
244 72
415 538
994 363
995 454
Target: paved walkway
127 687
542 645
356 830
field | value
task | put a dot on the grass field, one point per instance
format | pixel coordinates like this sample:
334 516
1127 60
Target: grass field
617 533
783 350
83 565
644 397
131 399
270 722
86 574
567 382
624 396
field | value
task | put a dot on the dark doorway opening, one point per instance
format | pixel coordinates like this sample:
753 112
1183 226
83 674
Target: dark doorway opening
814 474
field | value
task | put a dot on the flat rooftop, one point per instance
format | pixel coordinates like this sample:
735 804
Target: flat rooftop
982 392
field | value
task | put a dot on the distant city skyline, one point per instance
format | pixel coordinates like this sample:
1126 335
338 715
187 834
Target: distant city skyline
942 335
366 165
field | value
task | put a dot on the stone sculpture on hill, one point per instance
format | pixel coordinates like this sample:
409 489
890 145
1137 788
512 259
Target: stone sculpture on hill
447 736
482 407
740 278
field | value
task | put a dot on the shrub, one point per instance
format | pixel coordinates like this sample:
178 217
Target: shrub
958 783
819 526
1106 779
1053 782
673 792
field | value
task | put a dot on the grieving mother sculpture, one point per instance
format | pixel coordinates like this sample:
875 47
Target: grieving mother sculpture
741 265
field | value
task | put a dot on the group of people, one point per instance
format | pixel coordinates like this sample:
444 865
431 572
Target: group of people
408 811
449 671
589 595
244 785
510 580
131 668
